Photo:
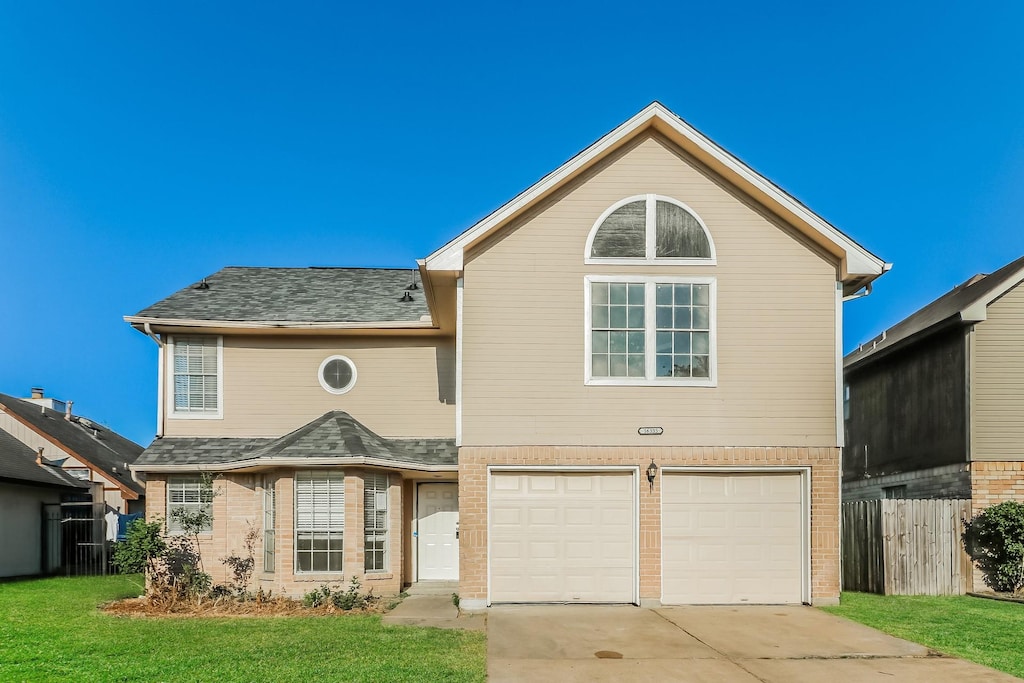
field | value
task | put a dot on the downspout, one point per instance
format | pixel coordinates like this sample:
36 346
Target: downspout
159 379
860 293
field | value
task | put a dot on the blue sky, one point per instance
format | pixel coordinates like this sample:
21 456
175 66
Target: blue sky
143 146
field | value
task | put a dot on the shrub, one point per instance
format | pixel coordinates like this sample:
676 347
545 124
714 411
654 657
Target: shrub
346 600
317 596
351 598
141 548
995 541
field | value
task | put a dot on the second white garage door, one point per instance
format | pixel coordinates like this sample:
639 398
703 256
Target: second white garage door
732 538
562 536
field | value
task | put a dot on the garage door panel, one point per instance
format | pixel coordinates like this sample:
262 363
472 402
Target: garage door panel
575 540
732 537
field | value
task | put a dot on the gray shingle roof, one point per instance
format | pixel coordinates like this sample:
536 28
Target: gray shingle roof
101 447
947 308
197 451
297 295
18 464
333 435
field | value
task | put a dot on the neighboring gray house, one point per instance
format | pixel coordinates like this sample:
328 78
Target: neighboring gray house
83 448
26 485
935 404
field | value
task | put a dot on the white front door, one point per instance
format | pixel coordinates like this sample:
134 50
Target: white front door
437 541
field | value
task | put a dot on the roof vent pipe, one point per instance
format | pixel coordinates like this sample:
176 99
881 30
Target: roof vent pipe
39 456
67 411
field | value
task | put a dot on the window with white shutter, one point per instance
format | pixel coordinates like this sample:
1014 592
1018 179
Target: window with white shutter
319 521
196 376
375 521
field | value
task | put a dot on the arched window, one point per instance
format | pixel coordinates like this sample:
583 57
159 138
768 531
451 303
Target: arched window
650 228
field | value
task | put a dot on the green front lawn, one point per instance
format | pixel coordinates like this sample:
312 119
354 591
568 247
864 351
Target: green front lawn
50 630
983 631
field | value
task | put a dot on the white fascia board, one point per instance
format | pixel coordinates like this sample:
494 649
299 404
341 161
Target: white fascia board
857 261
293 462
291 325
978 310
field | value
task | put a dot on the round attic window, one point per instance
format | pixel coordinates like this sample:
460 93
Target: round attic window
337 374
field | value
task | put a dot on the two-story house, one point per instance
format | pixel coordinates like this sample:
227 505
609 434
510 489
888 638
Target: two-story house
621 386
934 403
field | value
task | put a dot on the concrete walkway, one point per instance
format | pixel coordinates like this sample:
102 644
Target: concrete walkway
745 644
434 610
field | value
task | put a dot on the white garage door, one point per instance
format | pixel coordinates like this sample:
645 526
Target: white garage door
562 537
732 538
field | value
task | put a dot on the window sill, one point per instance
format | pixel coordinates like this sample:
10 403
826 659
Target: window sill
378 575
314 577
638 382
196 416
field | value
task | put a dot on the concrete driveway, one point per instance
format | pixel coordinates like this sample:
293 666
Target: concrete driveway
568 643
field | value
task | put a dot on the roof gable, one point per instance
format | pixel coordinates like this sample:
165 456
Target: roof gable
18 463
965 303
334 438
102 448
859 266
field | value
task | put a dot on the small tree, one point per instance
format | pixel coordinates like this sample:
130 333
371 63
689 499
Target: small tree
241 566
995 541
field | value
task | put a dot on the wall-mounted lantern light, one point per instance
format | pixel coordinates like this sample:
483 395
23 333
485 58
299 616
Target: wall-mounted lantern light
652 472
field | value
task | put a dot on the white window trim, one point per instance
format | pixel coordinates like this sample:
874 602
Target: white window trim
651 236
650 329
296 531
386 569
169 396
327 387
186 478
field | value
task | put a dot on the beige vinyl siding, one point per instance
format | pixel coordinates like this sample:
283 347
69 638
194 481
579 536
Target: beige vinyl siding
998 381
523 364
405 386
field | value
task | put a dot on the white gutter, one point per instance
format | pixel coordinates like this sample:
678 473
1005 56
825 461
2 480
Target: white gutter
294 462
280 324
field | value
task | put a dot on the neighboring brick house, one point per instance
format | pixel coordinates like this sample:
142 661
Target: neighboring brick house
934 403
621 386
82 447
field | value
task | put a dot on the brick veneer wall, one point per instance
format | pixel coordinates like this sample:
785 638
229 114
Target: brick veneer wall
238 502
824 464
995 482
992 483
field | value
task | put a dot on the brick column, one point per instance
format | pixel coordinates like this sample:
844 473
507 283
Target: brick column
353 561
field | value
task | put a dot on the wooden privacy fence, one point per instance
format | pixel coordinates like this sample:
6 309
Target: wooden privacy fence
906 547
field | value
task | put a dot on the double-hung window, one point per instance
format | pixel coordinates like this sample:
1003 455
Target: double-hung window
375 521
269 524
196 376
319 521
190 495
650 330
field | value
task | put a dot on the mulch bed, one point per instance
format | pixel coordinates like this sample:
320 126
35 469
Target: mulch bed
276 607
